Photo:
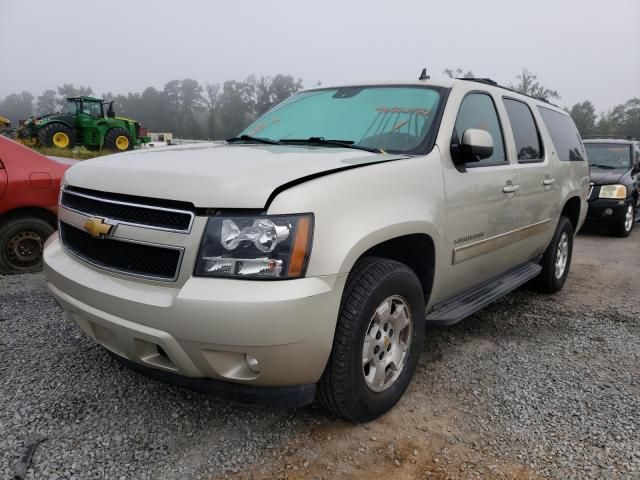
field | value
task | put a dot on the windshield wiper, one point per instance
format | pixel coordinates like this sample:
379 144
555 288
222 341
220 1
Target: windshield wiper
321 141
249 138
608 167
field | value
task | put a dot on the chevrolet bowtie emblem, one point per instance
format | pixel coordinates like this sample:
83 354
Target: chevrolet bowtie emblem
97 227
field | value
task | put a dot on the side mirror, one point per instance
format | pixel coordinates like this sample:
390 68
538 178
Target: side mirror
110 112
476 144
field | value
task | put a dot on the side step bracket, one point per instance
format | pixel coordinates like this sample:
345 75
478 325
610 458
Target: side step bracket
465 303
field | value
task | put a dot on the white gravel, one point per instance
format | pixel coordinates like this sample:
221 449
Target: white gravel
551 387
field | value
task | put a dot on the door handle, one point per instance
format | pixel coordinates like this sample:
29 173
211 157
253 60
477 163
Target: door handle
548 181
510 188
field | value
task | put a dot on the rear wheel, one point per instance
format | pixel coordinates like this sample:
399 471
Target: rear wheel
377 343
118 139
624 226
21 242
57 135
557 258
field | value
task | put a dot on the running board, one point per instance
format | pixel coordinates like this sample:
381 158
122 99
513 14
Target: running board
464 304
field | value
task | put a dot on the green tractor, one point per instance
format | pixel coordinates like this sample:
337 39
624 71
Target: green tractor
84 123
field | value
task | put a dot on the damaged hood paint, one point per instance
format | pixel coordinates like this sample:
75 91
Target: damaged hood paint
215 175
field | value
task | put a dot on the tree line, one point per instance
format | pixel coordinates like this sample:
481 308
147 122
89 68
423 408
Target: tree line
190 109
185 107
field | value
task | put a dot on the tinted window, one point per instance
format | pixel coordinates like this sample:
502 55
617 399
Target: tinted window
564 134
478 111
525 132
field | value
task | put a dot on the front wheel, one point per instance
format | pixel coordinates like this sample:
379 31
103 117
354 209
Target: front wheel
21 242
57 135
624 226
118 139
377 343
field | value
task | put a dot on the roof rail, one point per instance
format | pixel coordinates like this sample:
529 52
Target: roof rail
493 83
616 137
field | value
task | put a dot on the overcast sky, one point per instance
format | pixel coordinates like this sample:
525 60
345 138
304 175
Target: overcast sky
585 49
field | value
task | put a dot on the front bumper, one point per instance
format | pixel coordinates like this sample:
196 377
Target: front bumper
204 328
607 210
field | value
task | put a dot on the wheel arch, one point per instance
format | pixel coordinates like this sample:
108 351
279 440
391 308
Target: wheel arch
415 249
37 212
571 210
57 121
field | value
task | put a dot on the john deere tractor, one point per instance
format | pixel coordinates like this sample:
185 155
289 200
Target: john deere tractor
85 122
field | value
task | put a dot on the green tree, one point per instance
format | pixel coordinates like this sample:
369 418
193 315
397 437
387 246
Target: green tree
458 73
622 120
584 116
17 106
68 90
192 104
47 102
529 85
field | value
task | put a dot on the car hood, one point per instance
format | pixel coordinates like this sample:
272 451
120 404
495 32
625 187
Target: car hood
602 176
215 175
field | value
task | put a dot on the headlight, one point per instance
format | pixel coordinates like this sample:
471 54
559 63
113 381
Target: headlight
270 247
613 191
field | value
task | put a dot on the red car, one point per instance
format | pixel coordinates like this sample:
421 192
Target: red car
29 186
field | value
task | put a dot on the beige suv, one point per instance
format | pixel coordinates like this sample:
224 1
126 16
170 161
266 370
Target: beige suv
304 258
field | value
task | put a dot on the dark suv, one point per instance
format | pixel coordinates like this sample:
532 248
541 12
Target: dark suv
615 168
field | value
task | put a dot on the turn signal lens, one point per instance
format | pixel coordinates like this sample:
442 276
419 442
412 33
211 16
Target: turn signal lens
301 245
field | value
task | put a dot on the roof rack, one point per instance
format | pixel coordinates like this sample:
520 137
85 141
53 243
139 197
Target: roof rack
493 83
615 137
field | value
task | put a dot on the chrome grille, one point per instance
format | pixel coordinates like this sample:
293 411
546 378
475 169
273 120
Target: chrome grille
148 213
157 262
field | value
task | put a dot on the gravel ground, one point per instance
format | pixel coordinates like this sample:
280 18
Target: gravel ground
533 386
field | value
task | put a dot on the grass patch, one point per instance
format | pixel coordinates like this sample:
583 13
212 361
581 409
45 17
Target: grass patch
78 153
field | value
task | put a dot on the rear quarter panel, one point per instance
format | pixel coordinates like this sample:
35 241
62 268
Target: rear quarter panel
20 163
571 177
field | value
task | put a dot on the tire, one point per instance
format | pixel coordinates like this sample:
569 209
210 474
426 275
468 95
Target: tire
21 242
624 227
57 135
118 139
549 281
343 388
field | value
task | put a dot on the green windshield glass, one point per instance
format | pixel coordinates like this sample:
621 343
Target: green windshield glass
608 155
394 119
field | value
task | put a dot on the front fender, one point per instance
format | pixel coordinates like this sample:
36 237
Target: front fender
358 209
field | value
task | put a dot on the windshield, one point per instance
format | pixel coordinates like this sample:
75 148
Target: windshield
92 108
612 155
393 119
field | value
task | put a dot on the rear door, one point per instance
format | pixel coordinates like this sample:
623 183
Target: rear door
538 190
482 202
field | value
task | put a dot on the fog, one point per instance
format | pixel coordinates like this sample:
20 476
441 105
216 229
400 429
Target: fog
585 49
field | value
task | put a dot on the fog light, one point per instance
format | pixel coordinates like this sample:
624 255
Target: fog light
607 212
252 363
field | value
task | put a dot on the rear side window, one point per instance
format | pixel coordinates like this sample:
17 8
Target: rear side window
525 131
478 111
564 135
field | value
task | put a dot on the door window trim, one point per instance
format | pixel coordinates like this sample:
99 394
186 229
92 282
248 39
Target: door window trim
500 124
543 151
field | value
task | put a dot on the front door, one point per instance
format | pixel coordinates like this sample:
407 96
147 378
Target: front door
88 116
482 203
